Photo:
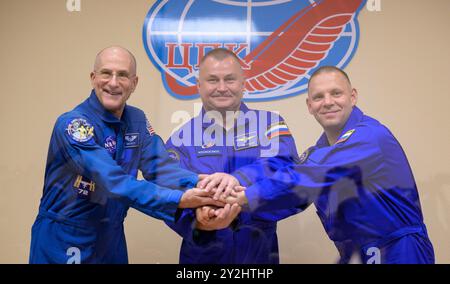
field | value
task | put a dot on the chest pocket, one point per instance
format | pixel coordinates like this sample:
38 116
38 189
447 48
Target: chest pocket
319 155
208 159
246 141
128 152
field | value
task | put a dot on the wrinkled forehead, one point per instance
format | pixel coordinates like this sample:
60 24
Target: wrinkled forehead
213 65
116 60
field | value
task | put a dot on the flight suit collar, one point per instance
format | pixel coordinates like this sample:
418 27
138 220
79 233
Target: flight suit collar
104 114
240 122
355 117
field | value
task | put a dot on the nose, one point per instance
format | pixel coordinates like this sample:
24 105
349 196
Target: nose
221 87
113 81
328 100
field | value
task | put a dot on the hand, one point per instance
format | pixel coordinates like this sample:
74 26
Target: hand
237 189
222 182
205 213
209 219
196 197
237 198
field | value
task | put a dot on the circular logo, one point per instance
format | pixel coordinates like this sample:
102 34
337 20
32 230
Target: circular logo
80 130
280 42
110 144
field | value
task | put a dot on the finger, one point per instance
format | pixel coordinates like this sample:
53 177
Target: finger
228 190
213 182
225 212
206 200
218 211
200 193
211 213
203 182
239 188
235 210
220 189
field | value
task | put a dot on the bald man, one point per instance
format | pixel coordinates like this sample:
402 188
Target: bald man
90 182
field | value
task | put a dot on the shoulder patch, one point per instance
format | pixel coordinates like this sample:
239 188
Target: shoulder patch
174 155
303 157
80 130
277 129
345 136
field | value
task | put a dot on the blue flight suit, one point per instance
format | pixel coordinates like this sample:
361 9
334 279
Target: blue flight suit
90 182
364 192
206 147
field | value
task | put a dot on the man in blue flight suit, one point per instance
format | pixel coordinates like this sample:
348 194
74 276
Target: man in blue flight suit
358 177
224 137
94 156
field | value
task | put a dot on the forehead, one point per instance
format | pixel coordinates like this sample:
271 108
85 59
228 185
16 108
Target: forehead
114 60
213 66
327 80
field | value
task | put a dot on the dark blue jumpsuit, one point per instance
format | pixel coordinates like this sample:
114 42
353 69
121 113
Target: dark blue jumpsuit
257 138
364 192
90 182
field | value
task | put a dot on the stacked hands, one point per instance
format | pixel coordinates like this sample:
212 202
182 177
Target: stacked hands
217 198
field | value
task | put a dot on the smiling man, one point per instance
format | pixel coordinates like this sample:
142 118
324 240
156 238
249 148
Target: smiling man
358 177
90 182
226 140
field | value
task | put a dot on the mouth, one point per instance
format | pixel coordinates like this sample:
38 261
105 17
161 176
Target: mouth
221 96
329 112
111 93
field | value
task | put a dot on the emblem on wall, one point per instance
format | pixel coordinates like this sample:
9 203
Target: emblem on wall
280 42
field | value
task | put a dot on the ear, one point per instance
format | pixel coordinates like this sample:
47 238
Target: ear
92 75
354 97
308 104
135 82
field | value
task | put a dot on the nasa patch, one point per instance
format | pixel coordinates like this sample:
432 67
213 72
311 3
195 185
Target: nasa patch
110 144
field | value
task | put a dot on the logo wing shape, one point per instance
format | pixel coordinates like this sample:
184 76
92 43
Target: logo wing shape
130 138
293 49
299 44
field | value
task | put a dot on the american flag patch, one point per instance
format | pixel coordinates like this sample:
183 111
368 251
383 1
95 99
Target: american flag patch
277 129
150 129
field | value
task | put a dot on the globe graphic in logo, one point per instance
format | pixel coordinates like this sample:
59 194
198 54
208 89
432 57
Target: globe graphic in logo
280 42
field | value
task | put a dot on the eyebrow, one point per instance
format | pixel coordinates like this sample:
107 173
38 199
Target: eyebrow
118 71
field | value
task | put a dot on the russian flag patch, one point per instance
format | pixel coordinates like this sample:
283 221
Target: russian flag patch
345 136
277 129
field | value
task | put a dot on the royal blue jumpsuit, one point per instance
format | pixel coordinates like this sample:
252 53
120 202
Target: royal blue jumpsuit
90 182
206 147
364 192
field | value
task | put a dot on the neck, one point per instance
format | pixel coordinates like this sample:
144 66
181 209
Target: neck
332 135
118 113
225 119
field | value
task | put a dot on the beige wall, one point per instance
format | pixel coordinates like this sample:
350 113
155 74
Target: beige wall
401 70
